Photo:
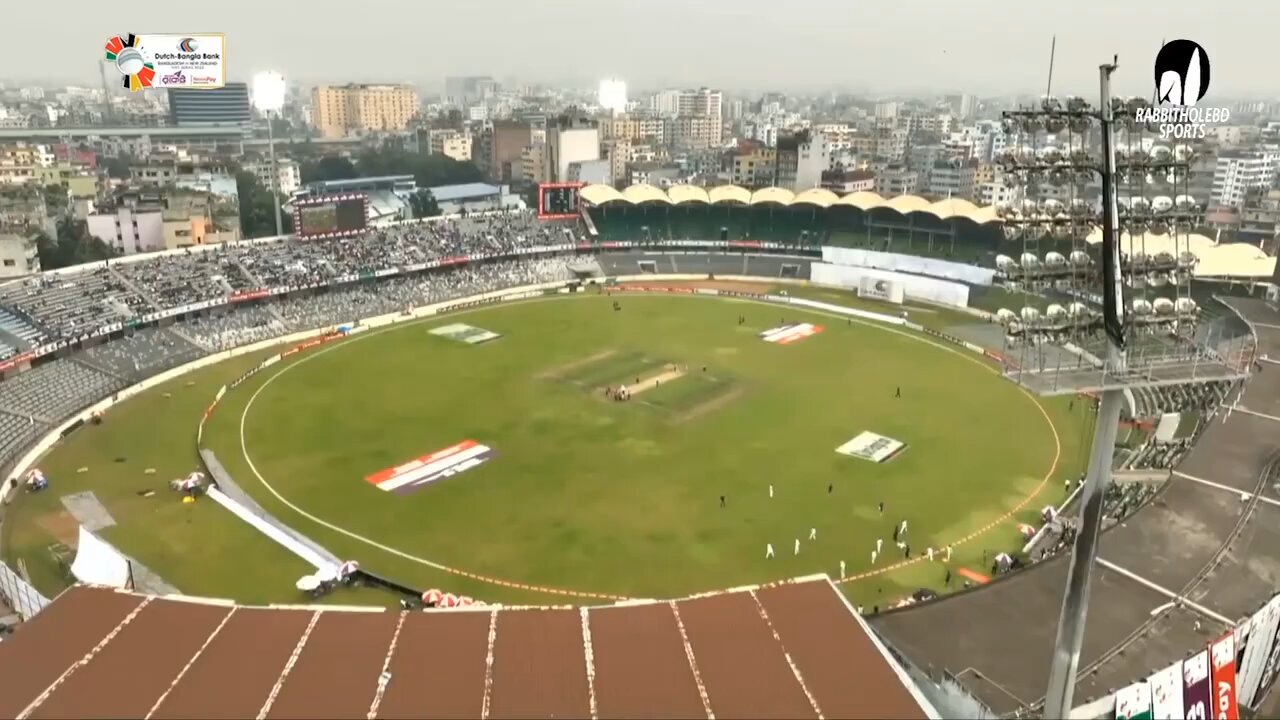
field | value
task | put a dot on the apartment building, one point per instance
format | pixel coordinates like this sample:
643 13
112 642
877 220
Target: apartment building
895 180
341 110
629 127
755 169
1236 172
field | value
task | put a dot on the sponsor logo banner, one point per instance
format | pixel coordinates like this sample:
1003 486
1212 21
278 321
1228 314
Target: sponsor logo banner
788 334
1195 686
464 333
1222 658
1134 702
873 447
657 289
249 295
1272 665
1166 692
1256 656
422 471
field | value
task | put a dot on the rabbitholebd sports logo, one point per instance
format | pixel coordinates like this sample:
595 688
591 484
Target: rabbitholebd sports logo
1182 73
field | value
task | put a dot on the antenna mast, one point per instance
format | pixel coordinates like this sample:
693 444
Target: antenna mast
1053 49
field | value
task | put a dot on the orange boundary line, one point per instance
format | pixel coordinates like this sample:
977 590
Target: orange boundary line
1057 457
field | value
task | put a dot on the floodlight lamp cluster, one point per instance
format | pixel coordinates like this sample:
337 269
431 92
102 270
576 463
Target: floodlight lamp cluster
1056 322
1053 115
1159 215
1049 218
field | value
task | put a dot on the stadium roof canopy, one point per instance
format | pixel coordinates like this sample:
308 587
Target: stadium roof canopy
791 649
1214 260
464 191
681 194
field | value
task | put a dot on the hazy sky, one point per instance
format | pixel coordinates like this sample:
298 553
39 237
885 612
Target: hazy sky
882 47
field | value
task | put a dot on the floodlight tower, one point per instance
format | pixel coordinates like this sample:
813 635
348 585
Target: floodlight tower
1101 344
268 97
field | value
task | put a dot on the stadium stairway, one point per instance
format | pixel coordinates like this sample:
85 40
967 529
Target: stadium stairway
138 290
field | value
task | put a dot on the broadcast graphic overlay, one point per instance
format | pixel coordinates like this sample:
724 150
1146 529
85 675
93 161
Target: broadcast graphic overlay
184 61
1181 80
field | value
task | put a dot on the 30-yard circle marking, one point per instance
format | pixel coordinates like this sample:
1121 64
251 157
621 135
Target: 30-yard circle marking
565 592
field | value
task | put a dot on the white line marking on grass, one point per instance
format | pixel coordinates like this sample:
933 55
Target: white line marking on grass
589 658
786 655
182 673
288 666
911 335
26 712
385 678
488 665
693 662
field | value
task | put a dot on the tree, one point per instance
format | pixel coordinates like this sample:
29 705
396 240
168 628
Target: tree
56 200
424 204
118 167
427 170
257 208
328 168
73 246
281 127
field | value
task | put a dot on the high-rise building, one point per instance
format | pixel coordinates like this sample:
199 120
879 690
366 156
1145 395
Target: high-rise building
505 148
896 180
227 105
1237 172
665 103
627 127
887 110
289 176
813 160
464 91
341 110
788 158
570 139
694 132
950 179
703 102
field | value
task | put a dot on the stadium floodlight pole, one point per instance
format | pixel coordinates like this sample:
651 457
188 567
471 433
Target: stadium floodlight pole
1075 600
275 176
268 96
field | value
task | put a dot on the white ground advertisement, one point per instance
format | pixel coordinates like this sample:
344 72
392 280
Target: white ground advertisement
873 447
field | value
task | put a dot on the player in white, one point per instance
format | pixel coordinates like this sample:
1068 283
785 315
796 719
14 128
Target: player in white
813 533
879 544
873 557
768 550
797 552
929 552
948 553
842 575
770 492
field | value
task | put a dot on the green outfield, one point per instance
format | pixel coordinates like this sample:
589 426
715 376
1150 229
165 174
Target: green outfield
574 490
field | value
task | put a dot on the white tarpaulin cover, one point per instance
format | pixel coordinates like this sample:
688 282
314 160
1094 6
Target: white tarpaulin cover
1167 428
857 257
97 563
943 292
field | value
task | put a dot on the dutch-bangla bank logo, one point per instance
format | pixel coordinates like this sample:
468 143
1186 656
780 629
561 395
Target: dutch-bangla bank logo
1182 79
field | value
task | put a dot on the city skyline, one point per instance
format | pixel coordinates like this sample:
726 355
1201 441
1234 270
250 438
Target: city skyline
939 48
